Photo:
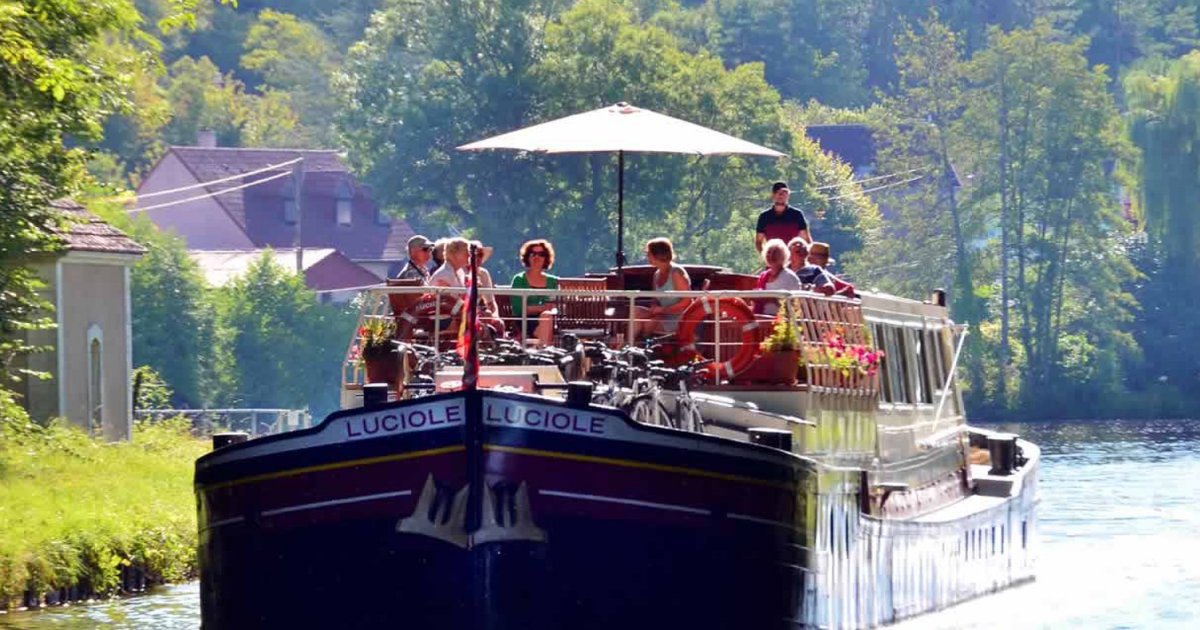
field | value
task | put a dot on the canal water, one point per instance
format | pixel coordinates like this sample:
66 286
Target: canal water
1119 542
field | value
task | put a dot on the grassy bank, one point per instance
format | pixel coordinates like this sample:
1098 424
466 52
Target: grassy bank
75 512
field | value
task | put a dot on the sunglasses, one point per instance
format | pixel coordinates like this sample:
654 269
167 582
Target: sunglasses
538 252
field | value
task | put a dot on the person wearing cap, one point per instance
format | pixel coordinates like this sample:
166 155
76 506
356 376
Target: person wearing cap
417 267
781 220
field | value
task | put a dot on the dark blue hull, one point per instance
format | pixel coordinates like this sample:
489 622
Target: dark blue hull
587 521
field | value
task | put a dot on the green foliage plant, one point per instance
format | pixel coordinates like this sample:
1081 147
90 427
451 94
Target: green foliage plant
784 336
74 510
375 337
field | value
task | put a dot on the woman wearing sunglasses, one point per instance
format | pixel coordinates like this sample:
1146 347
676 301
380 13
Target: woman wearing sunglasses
537 256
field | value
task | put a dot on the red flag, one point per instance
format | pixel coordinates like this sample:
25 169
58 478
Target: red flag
468 331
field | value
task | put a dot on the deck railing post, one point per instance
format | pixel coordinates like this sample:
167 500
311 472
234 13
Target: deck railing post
717 342
524 316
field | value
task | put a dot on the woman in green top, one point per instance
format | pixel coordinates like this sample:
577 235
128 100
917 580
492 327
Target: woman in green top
537 256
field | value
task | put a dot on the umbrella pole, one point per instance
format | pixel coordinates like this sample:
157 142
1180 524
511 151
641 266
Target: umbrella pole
620 213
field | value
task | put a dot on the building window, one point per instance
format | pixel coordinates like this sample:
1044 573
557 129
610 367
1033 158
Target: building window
95 397
345 199
290 208
382 217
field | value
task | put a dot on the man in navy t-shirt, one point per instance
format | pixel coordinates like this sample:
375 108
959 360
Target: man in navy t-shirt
780 221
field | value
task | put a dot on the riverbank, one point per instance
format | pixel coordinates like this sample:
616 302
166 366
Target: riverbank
82 518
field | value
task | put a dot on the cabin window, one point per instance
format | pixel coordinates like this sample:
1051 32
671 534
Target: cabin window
904 350
885 384
894 352
923 393
345 199
381 217
95 398
937 368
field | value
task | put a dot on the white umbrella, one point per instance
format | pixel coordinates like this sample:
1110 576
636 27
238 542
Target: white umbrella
621 128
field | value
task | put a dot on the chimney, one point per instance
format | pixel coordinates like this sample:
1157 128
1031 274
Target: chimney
206 138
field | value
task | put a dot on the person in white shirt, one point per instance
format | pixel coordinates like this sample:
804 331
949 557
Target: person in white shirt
777 277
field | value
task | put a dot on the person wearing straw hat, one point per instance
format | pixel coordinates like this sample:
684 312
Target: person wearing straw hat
816 274
489 313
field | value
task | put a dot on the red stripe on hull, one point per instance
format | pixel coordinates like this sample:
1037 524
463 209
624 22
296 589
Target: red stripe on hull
609 481
256 497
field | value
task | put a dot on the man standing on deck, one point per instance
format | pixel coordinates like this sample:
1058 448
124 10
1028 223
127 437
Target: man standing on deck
417 268
780 221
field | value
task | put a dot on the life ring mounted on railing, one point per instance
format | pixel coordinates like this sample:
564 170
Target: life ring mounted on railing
732 310
425 310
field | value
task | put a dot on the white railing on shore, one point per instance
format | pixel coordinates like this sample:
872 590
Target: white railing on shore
256 422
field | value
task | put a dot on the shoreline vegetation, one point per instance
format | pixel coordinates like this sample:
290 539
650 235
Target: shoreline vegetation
82 519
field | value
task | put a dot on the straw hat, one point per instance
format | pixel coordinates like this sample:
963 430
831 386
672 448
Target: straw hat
485 251
817 247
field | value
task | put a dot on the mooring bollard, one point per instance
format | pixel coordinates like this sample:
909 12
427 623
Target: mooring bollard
579 394
221 440
375 394
1002 448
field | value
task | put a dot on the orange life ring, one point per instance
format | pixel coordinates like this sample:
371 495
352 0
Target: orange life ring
424 311
731 309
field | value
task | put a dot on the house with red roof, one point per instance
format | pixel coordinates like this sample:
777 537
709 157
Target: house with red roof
331 275
88 355
246 199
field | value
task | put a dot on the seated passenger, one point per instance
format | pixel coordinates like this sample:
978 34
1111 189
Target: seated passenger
489 312
668 276
797 254
451 273
816 274
776 277
417 267
438 254
537 256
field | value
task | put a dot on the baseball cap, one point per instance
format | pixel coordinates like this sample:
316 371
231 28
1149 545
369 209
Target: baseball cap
420 241
777 186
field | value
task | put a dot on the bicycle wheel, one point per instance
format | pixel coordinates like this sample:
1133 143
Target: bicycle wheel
687 415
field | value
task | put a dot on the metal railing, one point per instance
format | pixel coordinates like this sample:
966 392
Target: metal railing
813 315
256 422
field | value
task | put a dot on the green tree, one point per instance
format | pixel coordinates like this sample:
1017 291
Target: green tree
279 347
442 92
1044 131
294 57
174 318
204 98
56 85
1164 126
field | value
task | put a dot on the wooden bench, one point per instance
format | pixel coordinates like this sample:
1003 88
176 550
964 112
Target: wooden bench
585 311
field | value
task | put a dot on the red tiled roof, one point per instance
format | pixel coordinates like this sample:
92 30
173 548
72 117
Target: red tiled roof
258 210
87 232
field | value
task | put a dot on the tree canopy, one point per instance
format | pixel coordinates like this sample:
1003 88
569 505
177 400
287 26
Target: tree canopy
1034 157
